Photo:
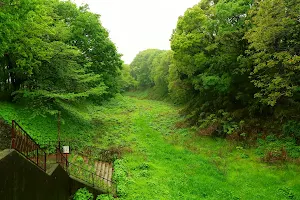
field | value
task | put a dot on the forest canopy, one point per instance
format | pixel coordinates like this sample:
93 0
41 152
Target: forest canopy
52 51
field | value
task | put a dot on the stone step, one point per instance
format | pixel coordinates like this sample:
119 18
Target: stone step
97 168
106 172
102 169
110 171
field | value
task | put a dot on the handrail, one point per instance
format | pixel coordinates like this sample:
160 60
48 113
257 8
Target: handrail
71 142
24 144
16 123
82 168
92 178
84 174
108 155
62 160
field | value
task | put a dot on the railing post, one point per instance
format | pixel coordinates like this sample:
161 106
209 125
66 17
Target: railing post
56 155
45 162
26 147
37 156
13 137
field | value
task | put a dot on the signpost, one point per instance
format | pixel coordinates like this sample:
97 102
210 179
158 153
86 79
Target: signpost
66 149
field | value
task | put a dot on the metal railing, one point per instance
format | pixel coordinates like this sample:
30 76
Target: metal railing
24 144
62 160
84 174
81 148
92 178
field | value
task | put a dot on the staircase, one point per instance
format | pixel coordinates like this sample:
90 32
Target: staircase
96 174
102 171
105 170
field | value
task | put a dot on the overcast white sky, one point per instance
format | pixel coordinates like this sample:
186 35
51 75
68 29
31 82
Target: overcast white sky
136 25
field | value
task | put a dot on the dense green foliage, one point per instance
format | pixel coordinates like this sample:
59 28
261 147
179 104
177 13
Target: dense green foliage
274 48
142 65
150 68
126 81
53 52
234 65
83 194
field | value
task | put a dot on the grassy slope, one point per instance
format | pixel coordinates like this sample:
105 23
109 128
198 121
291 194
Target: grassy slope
76 125
169 163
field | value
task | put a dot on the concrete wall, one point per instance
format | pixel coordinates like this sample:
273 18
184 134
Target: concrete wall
20 179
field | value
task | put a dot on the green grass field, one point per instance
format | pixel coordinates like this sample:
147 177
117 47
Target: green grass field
170 163
162 161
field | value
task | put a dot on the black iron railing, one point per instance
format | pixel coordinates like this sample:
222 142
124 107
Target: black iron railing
24 144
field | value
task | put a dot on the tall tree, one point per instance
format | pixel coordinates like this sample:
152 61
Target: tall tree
142 65
54 51
208 46
275 49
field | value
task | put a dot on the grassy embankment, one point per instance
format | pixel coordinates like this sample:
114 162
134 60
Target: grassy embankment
165 162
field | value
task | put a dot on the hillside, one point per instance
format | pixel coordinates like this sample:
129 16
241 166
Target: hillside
164 161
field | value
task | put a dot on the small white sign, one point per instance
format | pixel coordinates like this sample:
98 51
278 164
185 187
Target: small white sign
66 149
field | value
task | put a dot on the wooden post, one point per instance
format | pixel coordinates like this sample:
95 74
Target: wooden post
66 164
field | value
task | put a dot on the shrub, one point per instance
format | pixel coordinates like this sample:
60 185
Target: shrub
292 128
273 149
83 194
120 176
